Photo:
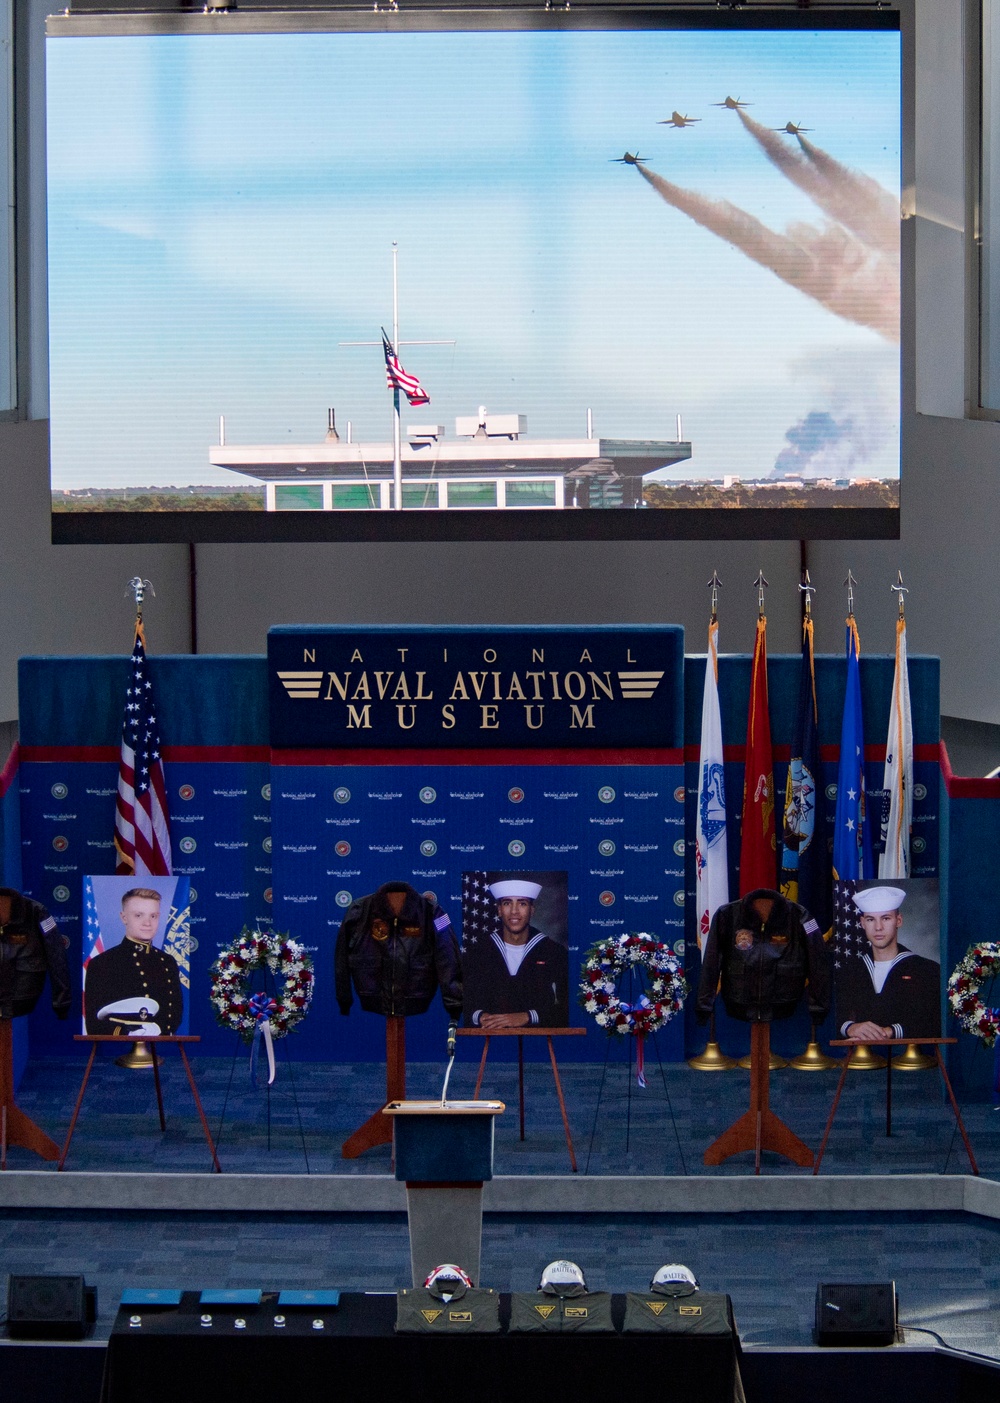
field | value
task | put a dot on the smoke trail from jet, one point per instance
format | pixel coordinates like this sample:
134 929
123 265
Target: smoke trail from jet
829 265
850 197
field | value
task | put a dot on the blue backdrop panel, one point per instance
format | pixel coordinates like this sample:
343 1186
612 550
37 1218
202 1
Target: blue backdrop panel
341 831
213 719
205 700
10 876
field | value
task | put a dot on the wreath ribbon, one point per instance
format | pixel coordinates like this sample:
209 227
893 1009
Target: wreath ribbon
261 1007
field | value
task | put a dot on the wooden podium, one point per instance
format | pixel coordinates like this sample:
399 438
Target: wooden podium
15 1127
759 1128
377 1129
444 1155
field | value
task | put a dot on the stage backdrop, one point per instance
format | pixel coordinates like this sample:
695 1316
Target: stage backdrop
417 754
355 805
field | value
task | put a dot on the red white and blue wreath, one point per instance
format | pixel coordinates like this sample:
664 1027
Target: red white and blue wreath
259 1017
979 964
658 972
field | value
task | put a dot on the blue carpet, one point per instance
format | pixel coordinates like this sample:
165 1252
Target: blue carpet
946 1265
618 1128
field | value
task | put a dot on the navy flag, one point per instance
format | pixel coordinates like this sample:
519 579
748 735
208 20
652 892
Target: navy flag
852 839
805 856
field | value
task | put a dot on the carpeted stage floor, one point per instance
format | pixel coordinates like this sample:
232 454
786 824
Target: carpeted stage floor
663 1129
946 1265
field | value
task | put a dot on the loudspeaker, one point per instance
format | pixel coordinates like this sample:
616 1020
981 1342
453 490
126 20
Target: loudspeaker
49 1307
852 1314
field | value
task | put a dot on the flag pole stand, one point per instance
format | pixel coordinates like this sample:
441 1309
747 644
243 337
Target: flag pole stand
759 1129
713 1059
864 1060
15 1127
912 1060
814 1059
140 1058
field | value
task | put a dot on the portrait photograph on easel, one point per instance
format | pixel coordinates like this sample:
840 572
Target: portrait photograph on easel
136 955
515 955
887 953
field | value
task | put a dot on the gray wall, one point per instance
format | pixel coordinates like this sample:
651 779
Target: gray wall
69 599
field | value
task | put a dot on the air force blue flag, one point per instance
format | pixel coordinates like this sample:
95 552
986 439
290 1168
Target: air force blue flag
711 853
852 840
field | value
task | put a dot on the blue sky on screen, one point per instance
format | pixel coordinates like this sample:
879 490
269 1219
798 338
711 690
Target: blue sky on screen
222 210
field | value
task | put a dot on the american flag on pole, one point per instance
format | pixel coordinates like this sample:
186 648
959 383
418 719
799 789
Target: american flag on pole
399 379
142 829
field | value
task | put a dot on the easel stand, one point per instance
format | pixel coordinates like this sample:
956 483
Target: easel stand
15 1127
521 1033
889 1044
377 1129
759 1129
179 1039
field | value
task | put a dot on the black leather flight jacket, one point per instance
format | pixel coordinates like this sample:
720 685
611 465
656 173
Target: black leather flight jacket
397 963
765 965
30 948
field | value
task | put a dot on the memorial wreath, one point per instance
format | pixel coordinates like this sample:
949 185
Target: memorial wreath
236 1008
977 965
641 954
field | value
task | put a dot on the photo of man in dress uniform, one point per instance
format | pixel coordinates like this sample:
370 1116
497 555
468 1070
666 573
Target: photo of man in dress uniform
134 989
887 989
516 971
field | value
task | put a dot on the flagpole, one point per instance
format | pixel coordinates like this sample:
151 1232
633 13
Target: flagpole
713 1059
397 452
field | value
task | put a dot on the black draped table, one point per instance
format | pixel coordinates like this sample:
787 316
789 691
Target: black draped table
172 1355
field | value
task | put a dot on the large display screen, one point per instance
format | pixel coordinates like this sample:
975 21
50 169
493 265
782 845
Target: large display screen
596 276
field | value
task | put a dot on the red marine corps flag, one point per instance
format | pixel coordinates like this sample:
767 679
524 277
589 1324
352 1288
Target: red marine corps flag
758 850
142 829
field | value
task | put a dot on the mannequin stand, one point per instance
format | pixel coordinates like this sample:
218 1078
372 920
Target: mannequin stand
15 1127
759 1128
377 1129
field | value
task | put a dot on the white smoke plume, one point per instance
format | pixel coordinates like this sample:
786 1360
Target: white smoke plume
828 264
850 197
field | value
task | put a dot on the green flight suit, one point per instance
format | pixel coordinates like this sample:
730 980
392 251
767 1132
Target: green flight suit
588 1313
469 1312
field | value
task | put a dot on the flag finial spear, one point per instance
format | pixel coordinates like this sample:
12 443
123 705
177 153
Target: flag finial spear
714 584
900 591
761 585
850 582
807 589
138 586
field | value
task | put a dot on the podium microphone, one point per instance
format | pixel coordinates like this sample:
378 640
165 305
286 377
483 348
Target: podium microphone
452 1027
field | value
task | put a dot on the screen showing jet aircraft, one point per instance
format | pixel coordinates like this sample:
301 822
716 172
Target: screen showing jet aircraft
398 281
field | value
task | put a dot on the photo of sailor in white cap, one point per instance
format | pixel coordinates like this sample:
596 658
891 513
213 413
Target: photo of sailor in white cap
515 974
889 990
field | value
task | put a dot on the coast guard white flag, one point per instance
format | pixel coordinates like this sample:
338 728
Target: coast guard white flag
898 783
711 853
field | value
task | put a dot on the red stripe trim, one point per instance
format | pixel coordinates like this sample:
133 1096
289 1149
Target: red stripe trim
9 770
962 787
172 754
477 757
873 753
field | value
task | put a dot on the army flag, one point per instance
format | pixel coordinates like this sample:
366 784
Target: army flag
757 840
852 839
894 860
711 851
805 857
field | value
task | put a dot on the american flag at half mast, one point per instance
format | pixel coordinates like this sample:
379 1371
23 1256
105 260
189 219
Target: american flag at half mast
142 827
399 379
